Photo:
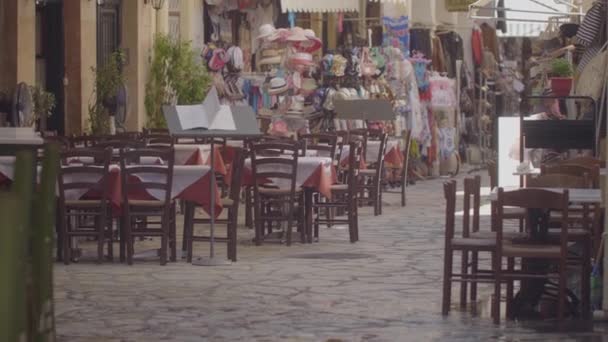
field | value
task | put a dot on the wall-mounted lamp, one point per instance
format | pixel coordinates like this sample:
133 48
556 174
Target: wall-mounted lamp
156 4
100 2
41 2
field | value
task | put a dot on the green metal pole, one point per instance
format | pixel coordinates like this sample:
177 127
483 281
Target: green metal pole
12 300
43 223
17 236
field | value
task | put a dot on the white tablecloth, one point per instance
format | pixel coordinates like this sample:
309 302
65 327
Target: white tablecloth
581 196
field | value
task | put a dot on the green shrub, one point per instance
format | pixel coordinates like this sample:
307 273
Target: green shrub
108 79
175 78
561 68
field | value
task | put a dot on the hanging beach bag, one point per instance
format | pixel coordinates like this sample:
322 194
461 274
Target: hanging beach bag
591 81
368 68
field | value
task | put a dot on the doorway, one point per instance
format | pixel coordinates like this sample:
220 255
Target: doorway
50 60
108 30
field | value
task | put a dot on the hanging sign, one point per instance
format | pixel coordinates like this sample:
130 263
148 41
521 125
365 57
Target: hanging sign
458 5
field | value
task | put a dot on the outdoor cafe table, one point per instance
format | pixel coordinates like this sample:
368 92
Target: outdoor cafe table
190 183
313 174
579 196
536 171
186 154
392 156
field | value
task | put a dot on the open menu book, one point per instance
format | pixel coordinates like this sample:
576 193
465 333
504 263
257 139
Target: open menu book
208 115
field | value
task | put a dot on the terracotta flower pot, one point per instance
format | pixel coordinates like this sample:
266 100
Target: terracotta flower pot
561 86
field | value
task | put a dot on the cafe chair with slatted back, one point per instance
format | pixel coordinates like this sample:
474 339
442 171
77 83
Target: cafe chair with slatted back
466 244
149 131
402 170
592 171
82 141
343 140
540 201
518 214
344 196
275 195
158 140
579 231
371 182
584 160
230 204
146 193
323 144
84 192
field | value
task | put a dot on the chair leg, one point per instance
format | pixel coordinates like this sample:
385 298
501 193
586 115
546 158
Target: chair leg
129 239
510 291
66 240
173 232
248 206
380 199
101 234
189 230
474 269
122 243
586 281
497 282
447 281
257 222
521 225
59 222
403 198
232 236
561 292
464 270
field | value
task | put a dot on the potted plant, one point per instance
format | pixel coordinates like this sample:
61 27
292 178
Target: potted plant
561 77
44 103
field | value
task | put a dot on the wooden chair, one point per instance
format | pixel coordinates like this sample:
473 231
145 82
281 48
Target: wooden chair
135 209
324 144
402 169
466 244
518 214
584 160
282 203
538 199
83 141
592 171
148 131
344 196
84 178
230 203
371 179
158 140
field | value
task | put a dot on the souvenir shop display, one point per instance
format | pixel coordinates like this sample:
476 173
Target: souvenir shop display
292 82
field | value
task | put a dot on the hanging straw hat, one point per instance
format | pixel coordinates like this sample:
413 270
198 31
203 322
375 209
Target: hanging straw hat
277 86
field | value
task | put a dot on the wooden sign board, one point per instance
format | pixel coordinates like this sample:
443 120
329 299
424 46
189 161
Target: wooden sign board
458 5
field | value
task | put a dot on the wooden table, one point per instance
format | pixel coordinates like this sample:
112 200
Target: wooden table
580 196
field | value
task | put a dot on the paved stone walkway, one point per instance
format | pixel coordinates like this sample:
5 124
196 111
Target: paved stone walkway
387 287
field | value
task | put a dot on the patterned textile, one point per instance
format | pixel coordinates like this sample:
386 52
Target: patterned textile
591 35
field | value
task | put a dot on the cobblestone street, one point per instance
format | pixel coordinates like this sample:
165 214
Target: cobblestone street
387 287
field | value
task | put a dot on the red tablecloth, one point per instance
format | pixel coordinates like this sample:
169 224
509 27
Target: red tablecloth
317 173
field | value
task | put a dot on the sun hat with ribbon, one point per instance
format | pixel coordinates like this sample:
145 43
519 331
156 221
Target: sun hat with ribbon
297 105
277 86
266 31
311 44
296 34
271 52
301 60
270 60
280 36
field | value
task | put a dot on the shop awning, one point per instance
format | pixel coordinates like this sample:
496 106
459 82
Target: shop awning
322 6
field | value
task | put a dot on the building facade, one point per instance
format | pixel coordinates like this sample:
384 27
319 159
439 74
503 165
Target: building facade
57 43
